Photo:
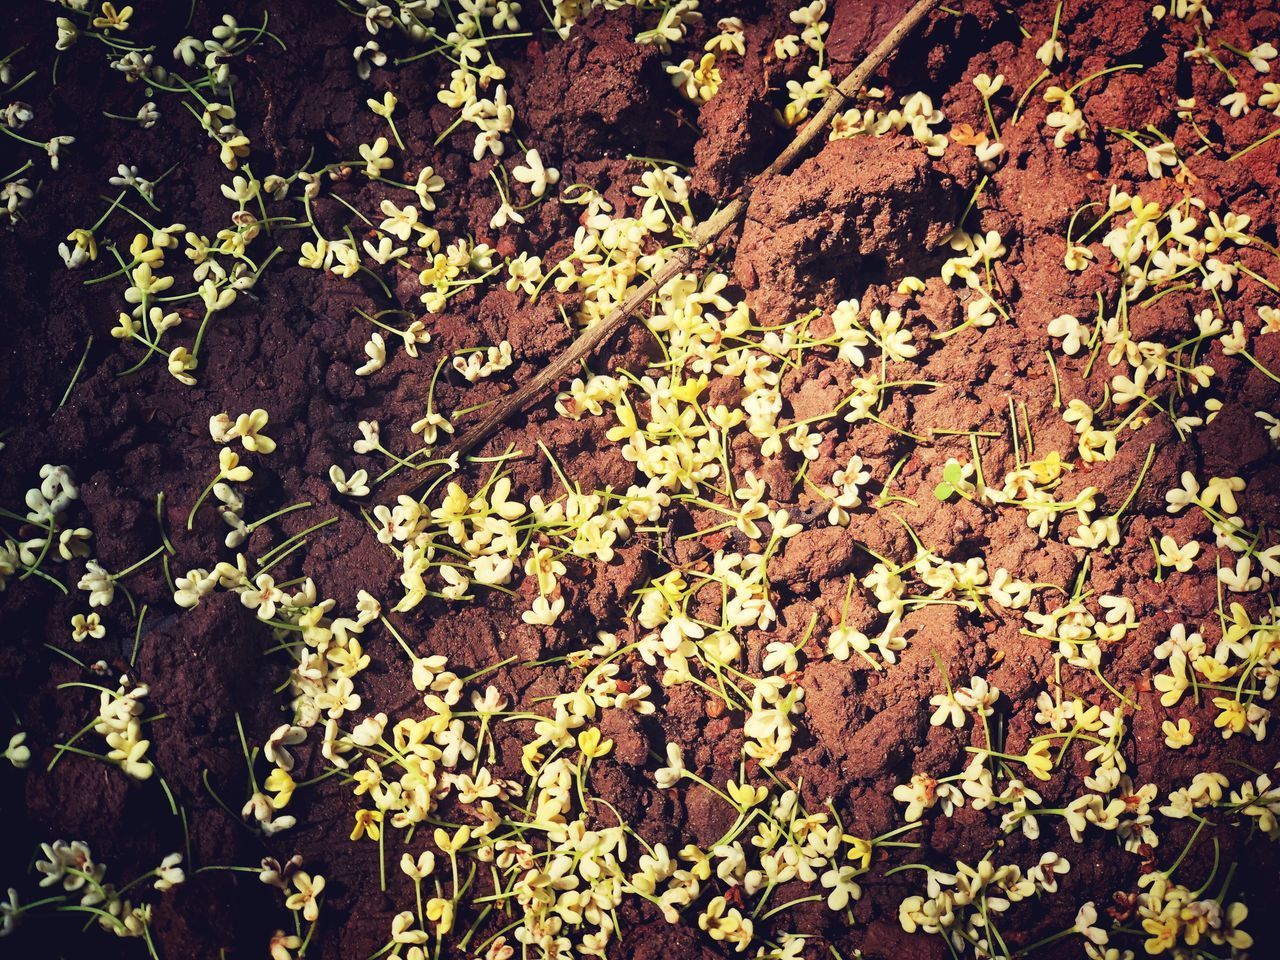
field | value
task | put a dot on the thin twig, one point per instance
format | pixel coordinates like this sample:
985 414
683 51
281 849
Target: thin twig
706 233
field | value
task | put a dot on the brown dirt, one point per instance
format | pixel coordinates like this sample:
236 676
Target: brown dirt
851 220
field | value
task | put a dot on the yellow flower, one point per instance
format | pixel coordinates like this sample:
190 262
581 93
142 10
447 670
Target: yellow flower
1233 718
859 851
281 784
111 19
1088 717
125 328
440 912
1177 735
531 757
369 778
1195 923
1172 685
1164 934
385 107
1212 670
1049 468
84 240
688 391
627 427
451 845
233 150
591 745
698 82
83 626
745 795
307 898
367 822
181 363
249 426
1038 760
375 158
280 946
419 868
229 465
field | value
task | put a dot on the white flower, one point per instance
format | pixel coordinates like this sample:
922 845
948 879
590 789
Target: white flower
169 874
1180 497
13 196
180 364
919 794
370 438
1050 52
1237 103
1273 425
989 86
263 596
537 176
948 710
284 736
1222 491
194 586
525 272
1239 578
385 251
979 696
17 752
420 868
1235 342
488 141
845 640
53 148
671 774
72 542
1179 558
400 222
99 585
16 115
1069 330
127 176
989 151
492 569
843 888
1158 157
542 613
375 157
367 56
805 441
376 350
68 34
1260 57
505 214
428 182
1045 873
1084 925
354 486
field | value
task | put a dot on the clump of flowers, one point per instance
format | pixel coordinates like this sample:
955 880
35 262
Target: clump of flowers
71 869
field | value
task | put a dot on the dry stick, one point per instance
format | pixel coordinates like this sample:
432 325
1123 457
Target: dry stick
681 261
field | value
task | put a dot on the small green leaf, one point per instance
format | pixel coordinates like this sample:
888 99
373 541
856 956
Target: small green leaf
943 491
